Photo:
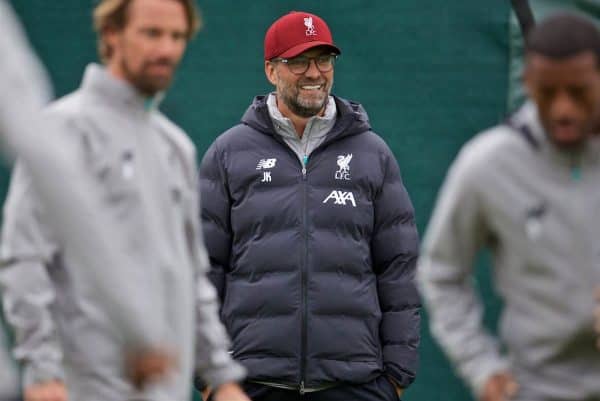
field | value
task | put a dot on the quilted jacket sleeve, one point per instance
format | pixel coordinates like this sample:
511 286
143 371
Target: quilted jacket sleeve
215 213
394 251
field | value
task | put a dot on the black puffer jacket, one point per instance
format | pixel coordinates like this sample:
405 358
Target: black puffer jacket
314 266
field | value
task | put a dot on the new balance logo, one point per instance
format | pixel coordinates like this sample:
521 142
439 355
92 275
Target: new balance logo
340 198
264 164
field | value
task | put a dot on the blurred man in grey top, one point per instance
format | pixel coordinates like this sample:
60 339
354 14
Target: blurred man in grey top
528 191
16 63
75 210
145 167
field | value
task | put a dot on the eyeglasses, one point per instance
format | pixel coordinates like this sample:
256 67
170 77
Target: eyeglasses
299 65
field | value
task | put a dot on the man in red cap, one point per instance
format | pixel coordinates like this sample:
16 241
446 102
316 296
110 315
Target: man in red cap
311 235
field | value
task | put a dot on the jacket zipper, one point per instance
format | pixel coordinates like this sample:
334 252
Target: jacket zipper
304 272
304 277
304 267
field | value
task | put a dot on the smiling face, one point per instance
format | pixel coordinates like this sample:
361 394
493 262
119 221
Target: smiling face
567 94
148 49
304 95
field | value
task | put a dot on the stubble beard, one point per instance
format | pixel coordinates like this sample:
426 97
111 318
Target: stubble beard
300 106
143 82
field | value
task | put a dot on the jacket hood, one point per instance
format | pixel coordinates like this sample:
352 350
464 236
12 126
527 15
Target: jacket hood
352 119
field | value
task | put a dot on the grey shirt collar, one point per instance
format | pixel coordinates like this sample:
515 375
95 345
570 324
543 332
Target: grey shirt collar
589 154
97 80
314 133
317 126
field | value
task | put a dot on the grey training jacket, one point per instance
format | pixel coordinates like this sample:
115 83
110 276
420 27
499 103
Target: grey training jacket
23 88
538 210
146 168
76 211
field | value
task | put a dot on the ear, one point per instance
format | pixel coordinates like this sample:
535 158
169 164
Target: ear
110 39
270 72
527 79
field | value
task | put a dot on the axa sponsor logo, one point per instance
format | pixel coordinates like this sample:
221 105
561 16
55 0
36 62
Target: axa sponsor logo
341 198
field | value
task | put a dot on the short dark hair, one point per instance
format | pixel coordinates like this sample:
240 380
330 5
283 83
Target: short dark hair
564 35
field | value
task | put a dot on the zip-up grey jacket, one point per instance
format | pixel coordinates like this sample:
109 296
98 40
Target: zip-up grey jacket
538 210
146 167
75 211
23 88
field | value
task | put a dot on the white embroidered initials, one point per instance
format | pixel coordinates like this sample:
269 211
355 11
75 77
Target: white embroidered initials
266 176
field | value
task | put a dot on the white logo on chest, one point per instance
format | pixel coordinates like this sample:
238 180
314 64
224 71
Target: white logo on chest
265 164
534 221
127 165
340 198
343 162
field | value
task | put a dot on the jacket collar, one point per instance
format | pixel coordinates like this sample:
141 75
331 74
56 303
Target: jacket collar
528 117
317 126
351 119
99 82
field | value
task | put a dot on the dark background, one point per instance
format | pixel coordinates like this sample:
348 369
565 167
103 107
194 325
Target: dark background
430 74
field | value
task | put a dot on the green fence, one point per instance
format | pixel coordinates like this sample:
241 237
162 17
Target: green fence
430 74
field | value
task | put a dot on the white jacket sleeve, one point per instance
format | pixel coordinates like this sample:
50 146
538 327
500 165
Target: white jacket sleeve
456 232
27 292
24 85
214 362
26 289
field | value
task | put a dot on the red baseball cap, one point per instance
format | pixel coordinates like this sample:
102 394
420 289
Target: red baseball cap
296 32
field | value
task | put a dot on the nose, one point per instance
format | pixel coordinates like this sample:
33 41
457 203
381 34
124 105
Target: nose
563 105
169 47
